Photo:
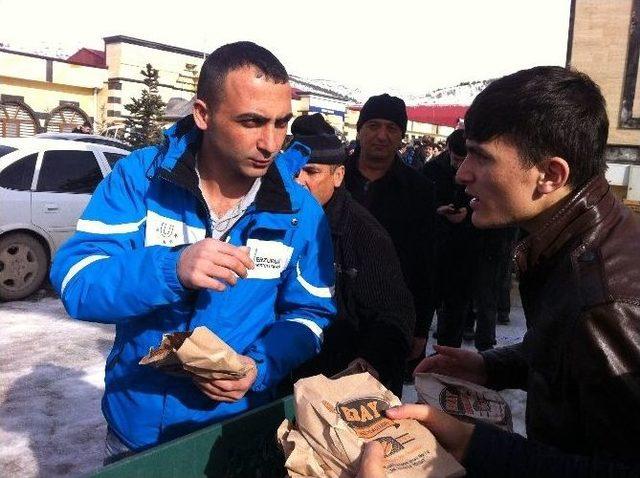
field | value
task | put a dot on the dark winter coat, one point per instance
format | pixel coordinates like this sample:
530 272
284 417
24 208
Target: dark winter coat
580 358
403 203
455 244
375 317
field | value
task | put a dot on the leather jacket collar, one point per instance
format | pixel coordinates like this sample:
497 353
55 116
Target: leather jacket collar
583 209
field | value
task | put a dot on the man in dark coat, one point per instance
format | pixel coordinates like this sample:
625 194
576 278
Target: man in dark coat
400 198
455 244
375 319
536 141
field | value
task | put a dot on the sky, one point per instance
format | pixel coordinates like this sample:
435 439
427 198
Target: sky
414 46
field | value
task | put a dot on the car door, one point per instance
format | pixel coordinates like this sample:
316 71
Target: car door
16 177
66 178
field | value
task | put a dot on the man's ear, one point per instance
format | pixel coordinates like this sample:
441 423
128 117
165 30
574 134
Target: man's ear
554 175
201 115
338 176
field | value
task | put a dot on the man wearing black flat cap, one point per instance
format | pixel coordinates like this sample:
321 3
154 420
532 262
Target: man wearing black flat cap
375 319
401 199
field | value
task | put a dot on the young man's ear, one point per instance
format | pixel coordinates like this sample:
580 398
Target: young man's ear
201 115
554 175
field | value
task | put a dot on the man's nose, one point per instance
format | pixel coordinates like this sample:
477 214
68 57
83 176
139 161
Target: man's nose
383 134
463 175
268 143
301 179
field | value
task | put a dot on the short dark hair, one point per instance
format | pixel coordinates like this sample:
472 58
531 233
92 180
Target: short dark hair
543 112
456 143
234 56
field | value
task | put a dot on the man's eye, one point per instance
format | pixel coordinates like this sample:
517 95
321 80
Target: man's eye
249 123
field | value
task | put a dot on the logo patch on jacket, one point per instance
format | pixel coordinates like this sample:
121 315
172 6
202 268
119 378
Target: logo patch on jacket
164 231
270 258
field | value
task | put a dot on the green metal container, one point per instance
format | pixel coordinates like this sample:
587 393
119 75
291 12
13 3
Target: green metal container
244 446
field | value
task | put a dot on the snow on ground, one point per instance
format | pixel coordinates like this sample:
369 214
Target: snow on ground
51 382
52 372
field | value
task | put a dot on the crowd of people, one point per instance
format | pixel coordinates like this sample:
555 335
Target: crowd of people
314 258
417 152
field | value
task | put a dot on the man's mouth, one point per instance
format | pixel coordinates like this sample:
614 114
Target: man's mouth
261 163
474 199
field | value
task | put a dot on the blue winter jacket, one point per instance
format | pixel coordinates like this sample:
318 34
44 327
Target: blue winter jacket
120 268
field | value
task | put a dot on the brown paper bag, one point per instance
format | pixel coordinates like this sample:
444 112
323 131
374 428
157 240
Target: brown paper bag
464 400
335 417
200 353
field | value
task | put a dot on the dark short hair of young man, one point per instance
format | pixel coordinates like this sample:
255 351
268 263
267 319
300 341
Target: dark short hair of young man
234 56
545 111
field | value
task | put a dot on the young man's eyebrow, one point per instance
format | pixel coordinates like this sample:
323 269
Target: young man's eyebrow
477 149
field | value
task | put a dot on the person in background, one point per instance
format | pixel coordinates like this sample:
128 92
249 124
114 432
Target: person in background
401 199
375 320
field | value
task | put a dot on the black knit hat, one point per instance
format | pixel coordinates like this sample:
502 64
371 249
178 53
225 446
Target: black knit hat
310 125
314 132
385 107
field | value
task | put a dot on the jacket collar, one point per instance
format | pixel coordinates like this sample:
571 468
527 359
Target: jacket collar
335 210
185 138
581 211
395 172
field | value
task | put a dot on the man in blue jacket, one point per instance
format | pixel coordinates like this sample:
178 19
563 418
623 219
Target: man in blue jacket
205 229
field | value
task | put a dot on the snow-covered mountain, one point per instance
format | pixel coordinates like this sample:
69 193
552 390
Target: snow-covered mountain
50 49
461 94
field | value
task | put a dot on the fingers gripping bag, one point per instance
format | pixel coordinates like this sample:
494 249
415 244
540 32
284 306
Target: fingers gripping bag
199 352
464 400
336 417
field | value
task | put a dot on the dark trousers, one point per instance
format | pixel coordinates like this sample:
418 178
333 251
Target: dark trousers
456 302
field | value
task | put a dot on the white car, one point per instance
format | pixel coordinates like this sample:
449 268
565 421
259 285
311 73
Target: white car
45 185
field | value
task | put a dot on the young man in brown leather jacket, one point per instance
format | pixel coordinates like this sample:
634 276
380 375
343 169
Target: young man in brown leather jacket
536 143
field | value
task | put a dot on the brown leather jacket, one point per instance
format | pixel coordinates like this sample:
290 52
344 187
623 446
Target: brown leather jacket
580 358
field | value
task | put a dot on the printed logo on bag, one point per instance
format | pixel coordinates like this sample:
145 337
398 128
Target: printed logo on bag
271 258
393 445
365 416
464 402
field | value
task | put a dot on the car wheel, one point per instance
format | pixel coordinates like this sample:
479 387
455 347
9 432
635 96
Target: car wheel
23 265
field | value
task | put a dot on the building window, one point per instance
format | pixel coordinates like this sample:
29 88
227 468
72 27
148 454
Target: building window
630 107
17 120
65 119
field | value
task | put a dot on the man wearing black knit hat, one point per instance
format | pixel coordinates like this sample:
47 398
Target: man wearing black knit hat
400 198
375 319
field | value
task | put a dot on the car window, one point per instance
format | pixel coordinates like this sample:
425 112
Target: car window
5 150
112 158
18 175
69 172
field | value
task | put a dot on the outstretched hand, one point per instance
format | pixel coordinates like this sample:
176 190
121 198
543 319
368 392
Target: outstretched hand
455 362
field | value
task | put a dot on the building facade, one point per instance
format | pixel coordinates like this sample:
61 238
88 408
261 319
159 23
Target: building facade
604 42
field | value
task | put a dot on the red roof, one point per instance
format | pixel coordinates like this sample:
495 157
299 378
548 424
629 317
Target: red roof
443 115
295 93
87 56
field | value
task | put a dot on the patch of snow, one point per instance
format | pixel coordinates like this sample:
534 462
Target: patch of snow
52 383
